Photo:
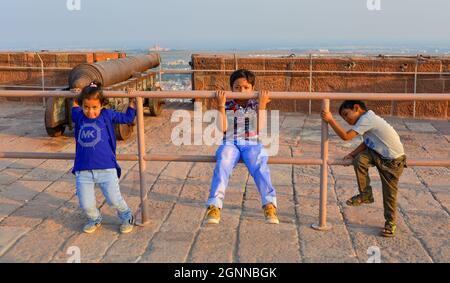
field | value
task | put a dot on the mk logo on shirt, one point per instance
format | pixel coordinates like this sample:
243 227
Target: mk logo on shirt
89 135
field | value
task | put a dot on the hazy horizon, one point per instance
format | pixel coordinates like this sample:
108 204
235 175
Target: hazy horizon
223 25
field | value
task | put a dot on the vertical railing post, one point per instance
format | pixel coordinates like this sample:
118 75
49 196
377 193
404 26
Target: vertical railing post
141 154
310 82
322 226
415 85
42 78
160 76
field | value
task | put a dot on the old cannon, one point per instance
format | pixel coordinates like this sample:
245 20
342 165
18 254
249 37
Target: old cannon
119 74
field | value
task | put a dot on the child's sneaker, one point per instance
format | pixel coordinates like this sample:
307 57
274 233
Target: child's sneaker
270 213
360 199
91 227
389 229
213 215
127 226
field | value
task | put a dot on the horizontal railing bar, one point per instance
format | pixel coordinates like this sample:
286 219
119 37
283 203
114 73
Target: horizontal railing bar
35 68
33 86
178 71
153 157
211 158
409 162
239 95
301 53
175 71
56 155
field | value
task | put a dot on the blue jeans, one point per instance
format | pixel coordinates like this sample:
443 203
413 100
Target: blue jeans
109 184
254 157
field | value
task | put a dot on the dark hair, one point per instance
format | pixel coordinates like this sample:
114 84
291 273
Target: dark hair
242 73
92 91
349 104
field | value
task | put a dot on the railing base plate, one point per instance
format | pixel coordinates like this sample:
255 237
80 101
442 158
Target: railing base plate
321 228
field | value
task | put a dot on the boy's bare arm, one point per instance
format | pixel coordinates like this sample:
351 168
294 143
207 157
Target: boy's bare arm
263 100
355 152
346 136
222 118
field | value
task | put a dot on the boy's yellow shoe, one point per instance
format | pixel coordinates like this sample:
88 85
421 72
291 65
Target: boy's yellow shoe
213 215
90 227
127 226
270 213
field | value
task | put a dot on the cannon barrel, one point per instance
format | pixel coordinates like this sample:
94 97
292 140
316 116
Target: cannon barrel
112 71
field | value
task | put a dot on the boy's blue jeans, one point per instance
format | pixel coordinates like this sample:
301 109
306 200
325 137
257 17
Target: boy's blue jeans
109 184
254 157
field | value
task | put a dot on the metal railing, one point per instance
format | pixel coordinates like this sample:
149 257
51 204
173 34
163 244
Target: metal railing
311 55
142 157
267 53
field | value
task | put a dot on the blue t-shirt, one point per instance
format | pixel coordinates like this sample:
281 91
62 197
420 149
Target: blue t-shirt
96 140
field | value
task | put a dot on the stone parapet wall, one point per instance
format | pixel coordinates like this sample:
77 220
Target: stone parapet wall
402 81
11 77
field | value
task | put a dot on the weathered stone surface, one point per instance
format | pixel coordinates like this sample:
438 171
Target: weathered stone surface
8 236
41 221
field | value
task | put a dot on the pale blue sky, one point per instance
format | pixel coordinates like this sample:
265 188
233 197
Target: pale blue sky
224 24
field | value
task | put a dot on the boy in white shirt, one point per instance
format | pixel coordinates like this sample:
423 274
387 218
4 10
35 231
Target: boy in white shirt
381 148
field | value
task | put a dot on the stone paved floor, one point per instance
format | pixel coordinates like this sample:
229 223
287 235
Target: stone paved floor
40 220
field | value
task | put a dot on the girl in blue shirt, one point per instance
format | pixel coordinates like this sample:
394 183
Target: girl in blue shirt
95 155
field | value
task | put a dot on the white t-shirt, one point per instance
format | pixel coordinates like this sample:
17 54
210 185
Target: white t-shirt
379 135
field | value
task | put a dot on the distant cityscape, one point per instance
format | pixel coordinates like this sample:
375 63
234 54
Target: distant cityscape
179 59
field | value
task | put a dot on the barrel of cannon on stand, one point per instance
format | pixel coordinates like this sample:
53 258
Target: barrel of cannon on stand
111 74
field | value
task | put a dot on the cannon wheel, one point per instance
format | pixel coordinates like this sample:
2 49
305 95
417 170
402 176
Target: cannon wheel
123 131
155 104
55 131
